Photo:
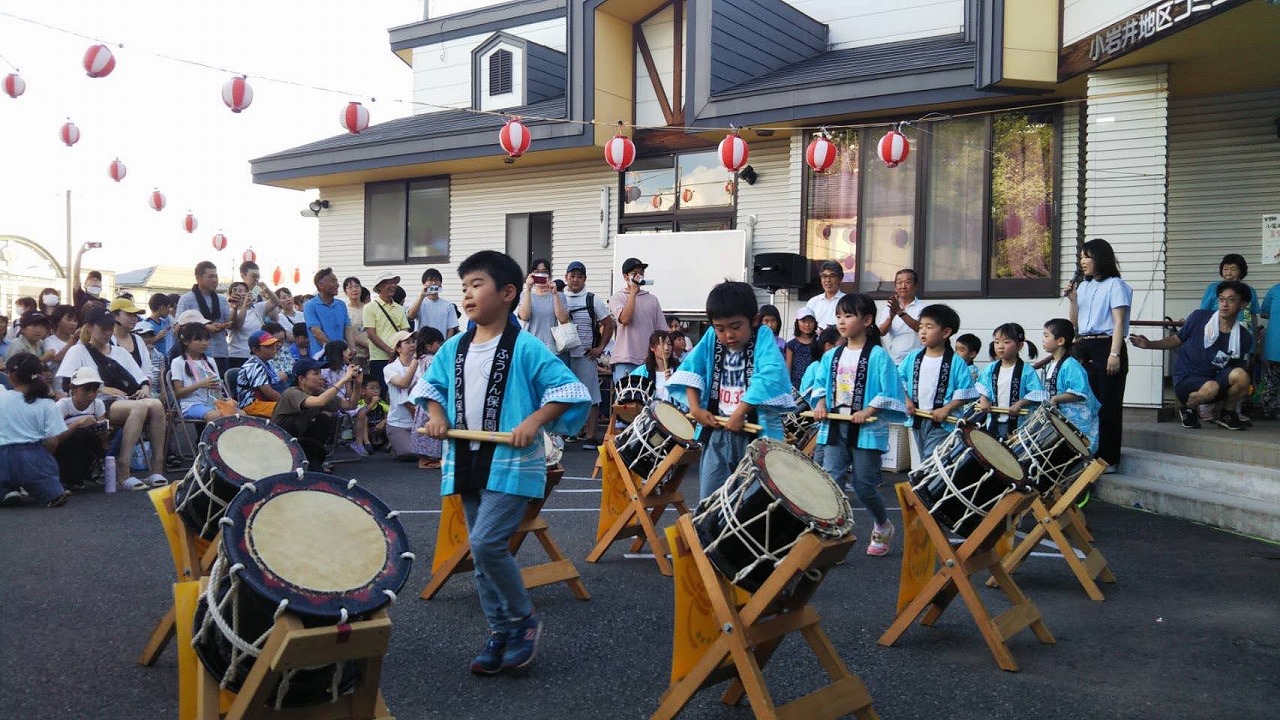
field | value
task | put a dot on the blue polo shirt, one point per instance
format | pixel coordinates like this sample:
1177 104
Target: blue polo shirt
331 318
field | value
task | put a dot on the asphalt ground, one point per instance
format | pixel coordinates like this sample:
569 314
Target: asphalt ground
1191 628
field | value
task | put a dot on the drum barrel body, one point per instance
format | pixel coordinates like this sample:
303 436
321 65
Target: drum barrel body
1050 449
729 553
959 485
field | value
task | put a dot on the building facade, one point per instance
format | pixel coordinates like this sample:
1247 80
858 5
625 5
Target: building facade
1033 125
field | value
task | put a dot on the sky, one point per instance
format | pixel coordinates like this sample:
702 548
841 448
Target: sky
166 121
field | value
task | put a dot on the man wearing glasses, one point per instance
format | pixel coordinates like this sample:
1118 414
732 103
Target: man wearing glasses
824 306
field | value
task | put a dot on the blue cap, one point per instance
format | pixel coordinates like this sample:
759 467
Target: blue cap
302 366
576 265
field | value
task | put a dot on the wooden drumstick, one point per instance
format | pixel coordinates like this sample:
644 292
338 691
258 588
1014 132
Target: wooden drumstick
747 427
929 416
1006 411
838 416
502 438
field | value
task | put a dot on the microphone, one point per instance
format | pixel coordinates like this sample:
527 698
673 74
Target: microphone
1075 281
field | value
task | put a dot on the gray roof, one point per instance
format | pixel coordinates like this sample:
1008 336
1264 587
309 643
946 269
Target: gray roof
446 122
136 277
859 63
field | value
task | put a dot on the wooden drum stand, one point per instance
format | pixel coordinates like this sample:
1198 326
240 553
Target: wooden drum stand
192 557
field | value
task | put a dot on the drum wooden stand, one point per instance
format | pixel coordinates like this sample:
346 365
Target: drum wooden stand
559 569
1064 524
291 646
609 433
646 504
753 632
188 564
955 576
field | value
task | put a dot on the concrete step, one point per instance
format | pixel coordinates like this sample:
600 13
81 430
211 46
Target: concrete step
1242 498
1258 446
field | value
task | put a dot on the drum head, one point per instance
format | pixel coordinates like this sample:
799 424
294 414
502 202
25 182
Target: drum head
994 454
809 491
317 543
245 449
1068 431
674 421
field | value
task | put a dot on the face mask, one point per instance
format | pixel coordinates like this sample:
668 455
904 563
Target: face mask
433 289
94 290
50 299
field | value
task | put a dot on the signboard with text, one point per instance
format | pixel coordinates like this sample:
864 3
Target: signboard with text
1270 239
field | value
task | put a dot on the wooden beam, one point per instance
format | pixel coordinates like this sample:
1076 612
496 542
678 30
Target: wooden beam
643 46
677 73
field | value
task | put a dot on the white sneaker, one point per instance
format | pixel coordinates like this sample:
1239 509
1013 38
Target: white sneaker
134 483
158 480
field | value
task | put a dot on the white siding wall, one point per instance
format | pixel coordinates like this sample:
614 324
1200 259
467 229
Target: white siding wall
659 33
1125 198
442 71
342 233
1084 17
871 22
1224 174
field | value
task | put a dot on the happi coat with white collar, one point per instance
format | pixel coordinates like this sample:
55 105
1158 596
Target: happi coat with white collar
959 382
768 387
1069 376
1029 387
882 391
536 378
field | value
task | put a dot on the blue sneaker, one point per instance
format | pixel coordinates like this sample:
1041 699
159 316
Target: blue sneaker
489 661
522 644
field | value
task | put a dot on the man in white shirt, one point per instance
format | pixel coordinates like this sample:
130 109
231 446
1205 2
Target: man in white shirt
824 306
899 319
595 329
431 310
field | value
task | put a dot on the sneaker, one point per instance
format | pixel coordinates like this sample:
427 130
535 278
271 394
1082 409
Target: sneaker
1190 418
522 644
880 537
1230 420
134 483
359 449
848 487
1245 420
158 480
11 498
58 501
489 661
590 444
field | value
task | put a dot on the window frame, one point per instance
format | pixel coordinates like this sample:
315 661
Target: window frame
677 215
405 257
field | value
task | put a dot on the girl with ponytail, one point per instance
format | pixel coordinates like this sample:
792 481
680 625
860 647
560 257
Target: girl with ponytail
30 432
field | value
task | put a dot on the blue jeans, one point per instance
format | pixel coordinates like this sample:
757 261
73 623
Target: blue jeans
929 435
29 466
720 455
866 470
492 518
621 370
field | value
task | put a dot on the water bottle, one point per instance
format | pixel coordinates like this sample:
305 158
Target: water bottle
109 473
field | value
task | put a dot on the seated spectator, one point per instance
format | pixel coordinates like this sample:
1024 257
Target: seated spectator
258 385
306 409
33 328
283 359
400 375
374 411
88 431
301 346
21 306
64 329
28 436
194 376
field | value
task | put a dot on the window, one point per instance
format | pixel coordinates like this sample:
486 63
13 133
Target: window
971 208
406 221
684 192
500 72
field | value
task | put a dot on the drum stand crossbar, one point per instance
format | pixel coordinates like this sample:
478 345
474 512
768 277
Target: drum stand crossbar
1064 524
752 633
558 569
290 647
648 499
189 564
955 577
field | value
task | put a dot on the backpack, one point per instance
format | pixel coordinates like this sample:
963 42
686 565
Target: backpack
595 322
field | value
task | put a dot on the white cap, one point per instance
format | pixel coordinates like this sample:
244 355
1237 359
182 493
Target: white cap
191 316
86 376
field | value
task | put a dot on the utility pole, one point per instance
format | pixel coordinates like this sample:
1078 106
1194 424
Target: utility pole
70 280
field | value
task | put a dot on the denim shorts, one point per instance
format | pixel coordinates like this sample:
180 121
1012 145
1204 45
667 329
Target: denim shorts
197 411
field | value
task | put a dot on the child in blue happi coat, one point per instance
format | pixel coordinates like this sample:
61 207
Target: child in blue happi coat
936 378
859 378
737 372
1009 382
1066 382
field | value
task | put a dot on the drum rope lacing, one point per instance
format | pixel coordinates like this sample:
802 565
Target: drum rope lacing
737 528
199 483
946 473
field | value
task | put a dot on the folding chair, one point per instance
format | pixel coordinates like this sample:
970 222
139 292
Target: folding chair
184 445
231 381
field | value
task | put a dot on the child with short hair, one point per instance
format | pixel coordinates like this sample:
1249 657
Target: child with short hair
429 449
498 378
301 346
28 436
936 381
968 346
679 346
772 319
1009 383
430 310
800 350
371 416
1066 382
85 441
859 378
737 372
827 339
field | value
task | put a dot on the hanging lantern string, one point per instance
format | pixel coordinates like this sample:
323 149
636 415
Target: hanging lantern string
11 65
732 128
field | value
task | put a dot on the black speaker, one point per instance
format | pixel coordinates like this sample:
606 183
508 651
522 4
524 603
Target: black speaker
780 270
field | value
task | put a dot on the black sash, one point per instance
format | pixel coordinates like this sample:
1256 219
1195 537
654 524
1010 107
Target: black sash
717 370
114 375
1015 385
212 315
1051 377
944 377
859 392
471 467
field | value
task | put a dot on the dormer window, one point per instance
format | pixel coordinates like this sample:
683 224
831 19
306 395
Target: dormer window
500 73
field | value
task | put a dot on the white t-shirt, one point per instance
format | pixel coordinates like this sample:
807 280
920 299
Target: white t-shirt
733 382
846 376
930 369
1004 388
69 411
576 304
188 372
824 310
238 340
901 339
78 356
400 416
475 370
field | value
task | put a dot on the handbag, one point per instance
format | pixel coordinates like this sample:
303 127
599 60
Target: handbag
566 337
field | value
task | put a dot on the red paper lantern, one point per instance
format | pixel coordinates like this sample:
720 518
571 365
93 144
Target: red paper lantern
733 152
237 94
156 200
219 242
276 276
687 195
354 118
633 193
514 138
189 223
116 170
620 152
894 148
14 85
249 255
69 133
848 262
98 61
297 276
656 202
821 154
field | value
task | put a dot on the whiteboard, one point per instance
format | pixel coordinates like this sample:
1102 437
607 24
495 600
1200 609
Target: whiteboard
684 266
